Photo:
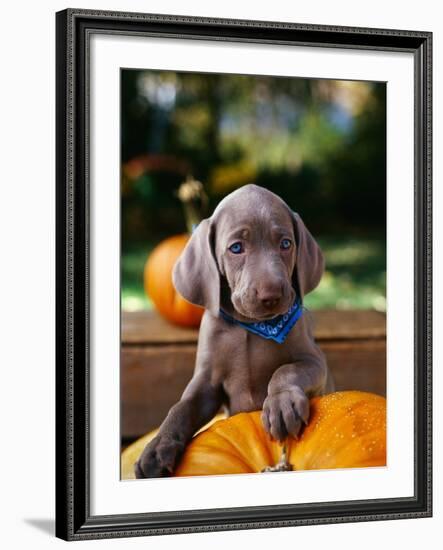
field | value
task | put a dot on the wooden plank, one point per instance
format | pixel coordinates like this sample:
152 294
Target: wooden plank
348 325
153 378
147 327
357 365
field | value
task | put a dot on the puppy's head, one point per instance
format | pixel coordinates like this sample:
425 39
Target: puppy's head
251 257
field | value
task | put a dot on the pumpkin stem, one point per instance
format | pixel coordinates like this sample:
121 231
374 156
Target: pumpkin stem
194 199
283 465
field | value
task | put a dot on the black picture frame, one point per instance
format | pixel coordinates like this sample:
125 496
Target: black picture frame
74 28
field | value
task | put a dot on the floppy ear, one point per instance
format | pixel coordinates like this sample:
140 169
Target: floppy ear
310 264
196 276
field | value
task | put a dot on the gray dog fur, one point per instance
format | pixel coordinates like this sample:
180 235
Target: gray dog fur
236 369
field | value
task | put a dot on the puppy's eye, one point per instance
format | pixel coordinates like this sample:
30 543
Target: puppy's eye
285 244
236 248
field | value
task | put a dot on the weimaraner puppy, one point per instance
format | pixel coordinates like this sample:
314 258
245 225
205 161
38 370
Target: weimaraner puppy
249 265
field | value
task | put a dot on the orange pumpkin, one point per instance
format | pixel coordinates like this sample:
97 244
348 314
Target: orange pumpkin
131 454
345 430
158 283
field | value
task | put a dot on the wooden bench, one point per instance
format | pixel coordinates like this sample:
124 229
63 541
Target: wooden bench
157 361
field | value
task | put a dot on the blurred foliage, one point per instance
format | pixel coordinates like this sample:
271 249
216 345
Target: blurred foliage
355 275
319 144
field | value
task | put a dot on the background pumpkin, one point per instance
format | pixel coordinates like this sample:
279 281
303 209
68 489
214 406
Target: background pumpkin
157 275
158 283
345 430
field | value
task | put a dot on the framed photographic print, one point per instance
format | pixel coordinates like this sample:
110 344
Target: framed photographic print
243 274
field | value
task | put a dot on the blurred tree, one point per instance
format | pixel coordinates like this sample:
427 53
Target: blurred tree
319 144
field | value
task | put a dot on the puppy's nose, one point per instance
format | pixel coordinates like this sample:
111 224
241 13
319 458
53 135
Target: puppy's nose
270 298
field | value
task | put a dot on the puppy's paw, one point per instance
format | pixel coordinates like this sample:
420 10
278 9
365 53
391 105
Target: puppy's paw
284 412
159 457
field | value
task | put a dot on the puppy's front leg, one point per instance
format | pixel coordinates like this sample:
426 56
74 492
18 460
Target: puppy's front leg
287 403
198 404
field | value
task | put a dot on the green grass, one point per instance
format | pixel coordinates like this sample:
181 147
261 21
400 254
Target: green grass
355 276
132 293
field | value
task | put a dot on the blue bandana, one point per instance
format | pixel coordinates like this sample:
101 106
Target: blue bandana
275 329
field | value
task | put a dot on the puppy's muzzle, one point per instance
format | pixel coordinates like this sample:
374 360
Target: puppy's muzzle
270 297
